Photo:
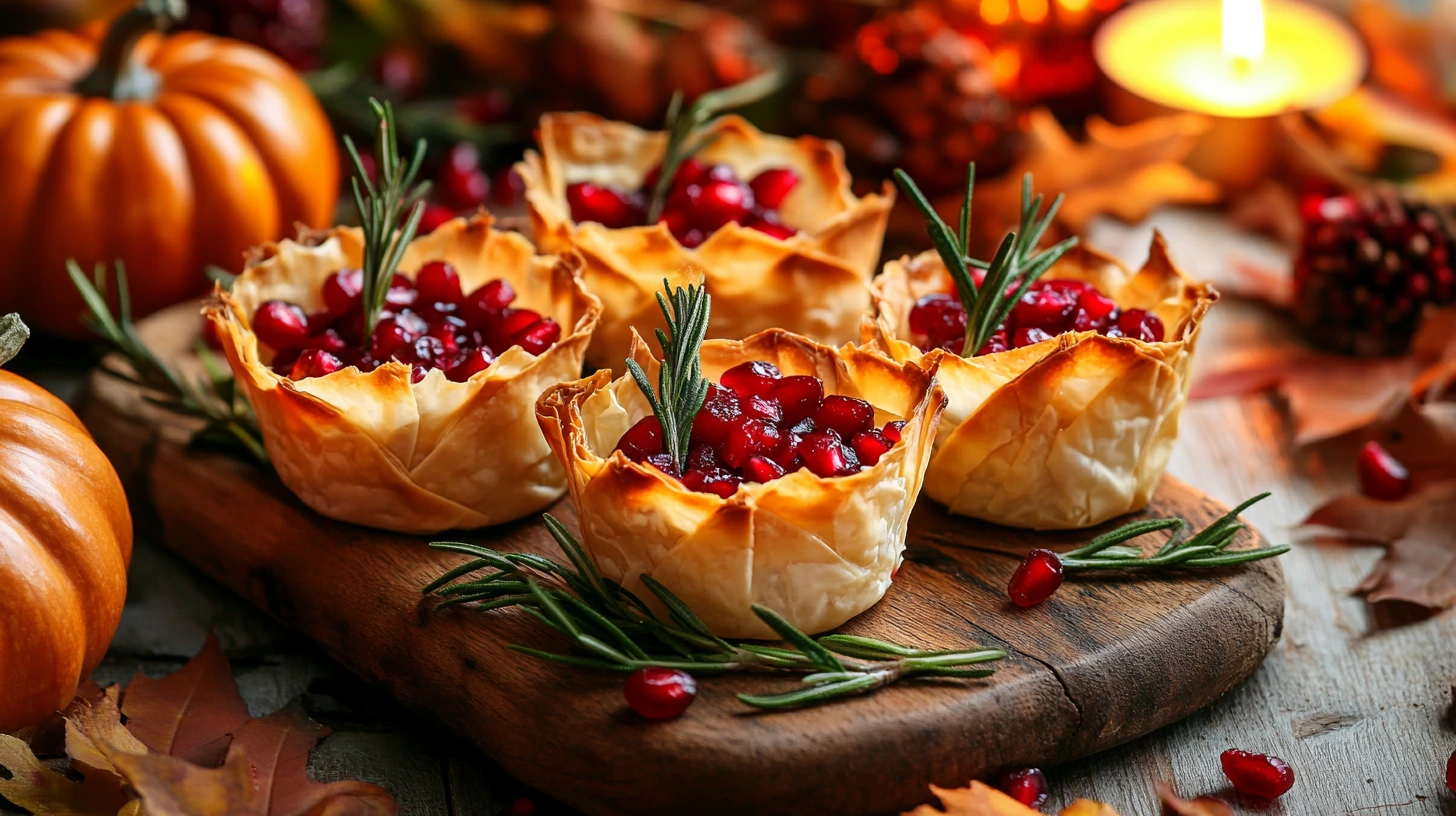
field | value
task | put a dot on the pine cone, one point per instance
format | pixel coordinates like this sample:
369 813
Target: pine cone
1369 266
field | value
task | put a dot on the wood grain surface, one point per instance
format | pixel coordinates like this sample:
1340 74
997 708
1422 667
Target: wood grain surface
1102 663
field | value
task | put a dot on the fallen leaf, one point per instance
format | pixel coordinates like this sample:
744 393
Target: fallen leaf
1202 806
95 735
1329 394
1259 283
191 713
1422 436
169 786
980 799
1269 209
1126 172
33 785
1087 807
278 747
1419 534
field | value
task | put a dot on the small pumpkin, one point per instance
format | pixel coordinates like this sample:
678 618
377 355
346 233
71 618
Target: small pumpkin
167 152
65 544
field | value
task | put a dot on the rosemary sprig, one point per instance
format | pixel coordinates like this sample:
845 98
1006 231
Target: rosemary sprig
684 128
610 628
381 204
1016 265
213 398
1204 549
681 387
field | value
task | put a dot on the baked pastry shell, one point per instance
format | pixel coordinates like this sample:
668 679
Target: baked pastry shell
1066 433
812 283
374 449
817 551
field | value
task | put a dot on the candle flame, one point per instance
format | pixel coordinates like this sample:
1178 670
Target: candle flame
1243 30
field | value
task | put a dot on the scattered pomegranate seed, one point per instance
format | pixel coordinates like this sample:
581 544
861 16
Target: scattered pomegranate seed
1266 777
438 282
473 362
1141 325
314 363
1096 305
938 317
761 408
772 186
800 396
825 455
280 325
845 416
1027 786
342 289
717 416
752 438
1382 476
660 694
1045 308
753 378
894 430
327 340
762 469
1039 575
540 336
642 439
434 217
1451 772
463 185
605 206
869 446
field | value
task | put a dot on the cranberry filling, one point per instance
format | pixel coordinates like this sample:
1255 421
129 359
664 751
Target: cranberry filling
427 323
703 199
757 425
1048 308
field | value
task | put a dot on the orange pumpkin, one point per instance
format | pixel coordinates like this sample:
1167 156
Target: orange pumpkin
65 544
169 153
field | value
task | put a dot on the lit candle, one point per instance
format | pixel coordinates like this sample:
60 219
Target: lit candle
1242 61
1232 58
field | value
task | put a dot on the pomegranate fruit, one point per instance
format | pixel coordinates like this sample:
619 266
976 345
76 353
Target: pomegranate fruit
1049 308
702 199
1266 777
428 323
660 694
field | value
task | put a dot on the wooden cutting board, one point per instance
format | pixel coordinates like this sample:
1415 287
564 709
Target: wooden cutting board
1104 661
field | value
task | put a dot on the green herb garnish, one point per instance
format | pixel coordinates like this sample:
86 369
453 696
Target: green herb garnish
681 387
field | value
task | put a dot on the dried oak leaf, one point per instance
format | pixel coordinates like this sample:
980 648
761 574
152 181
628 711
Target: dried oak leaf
191 713
1329 394
173 787
980 799
1419 534
278 747
1202 806
43 791
1126 172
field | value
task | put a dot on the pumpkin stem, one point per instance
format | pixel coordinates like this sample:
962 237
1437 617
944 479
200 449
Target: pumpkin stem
13 334
116 75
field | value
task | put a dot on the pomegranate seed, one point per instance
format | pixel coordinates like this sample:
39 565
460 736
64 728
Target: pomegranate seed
1382 476
778 231
717 417
772 186
390 335
1266 777
1047 309
426 351
1036 579
1451 772
605 206
280 325
762 469
488 301
1141 325
754 378
642 439
1027 786
677 223
314 363
660 694
434 217
663 462
485 107
539 337
342 289
1097 305
753 437
939 317
869 446
210 335
1029 336
719 172
995 344
418 373
283 361
824 455
703 458
800 396
469 364
510 323
715 480
894 430
401 295
722 202
327 340
845 416
693 239
463 185
438 282
508 186
787 456
762 408
400 69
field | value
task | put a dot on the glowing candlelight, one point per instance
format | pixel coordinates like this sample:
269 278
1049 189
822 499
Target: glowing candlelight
1243 29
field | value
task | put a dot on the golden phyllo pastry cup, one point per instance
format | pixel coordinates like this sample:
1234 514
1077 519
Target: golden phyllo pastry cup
812 283
818 551
1066 433
374 449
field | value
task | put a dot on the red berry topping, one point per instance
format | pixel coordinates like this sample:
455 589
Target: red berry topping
940 318
761 408
1027 786
1258 775
722 202
869 446
772 186
761 469
717 417
1141 325
642 439
825 455
1044 308
314 363
342 289
540 336
663 462
1451 772
435 216
660 694
488 301
605 206
438 282
463 185
1096 305
1029 336
845 416
280 325
1039 575
753 378
470 363
894 430
1382 476
778 231
799 395
210 335
753 437
327 340
717 481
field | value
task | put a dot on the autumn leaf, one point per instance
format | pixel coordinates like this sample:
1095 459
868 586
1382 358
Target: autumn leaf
278 747
1126 172
95 735
190 714
1087 807
981 799
33 785
1202 806
1419 534
173 787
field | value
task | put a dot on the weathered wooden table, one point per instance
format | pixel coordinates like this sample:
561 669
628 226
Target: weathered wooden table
1355 697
